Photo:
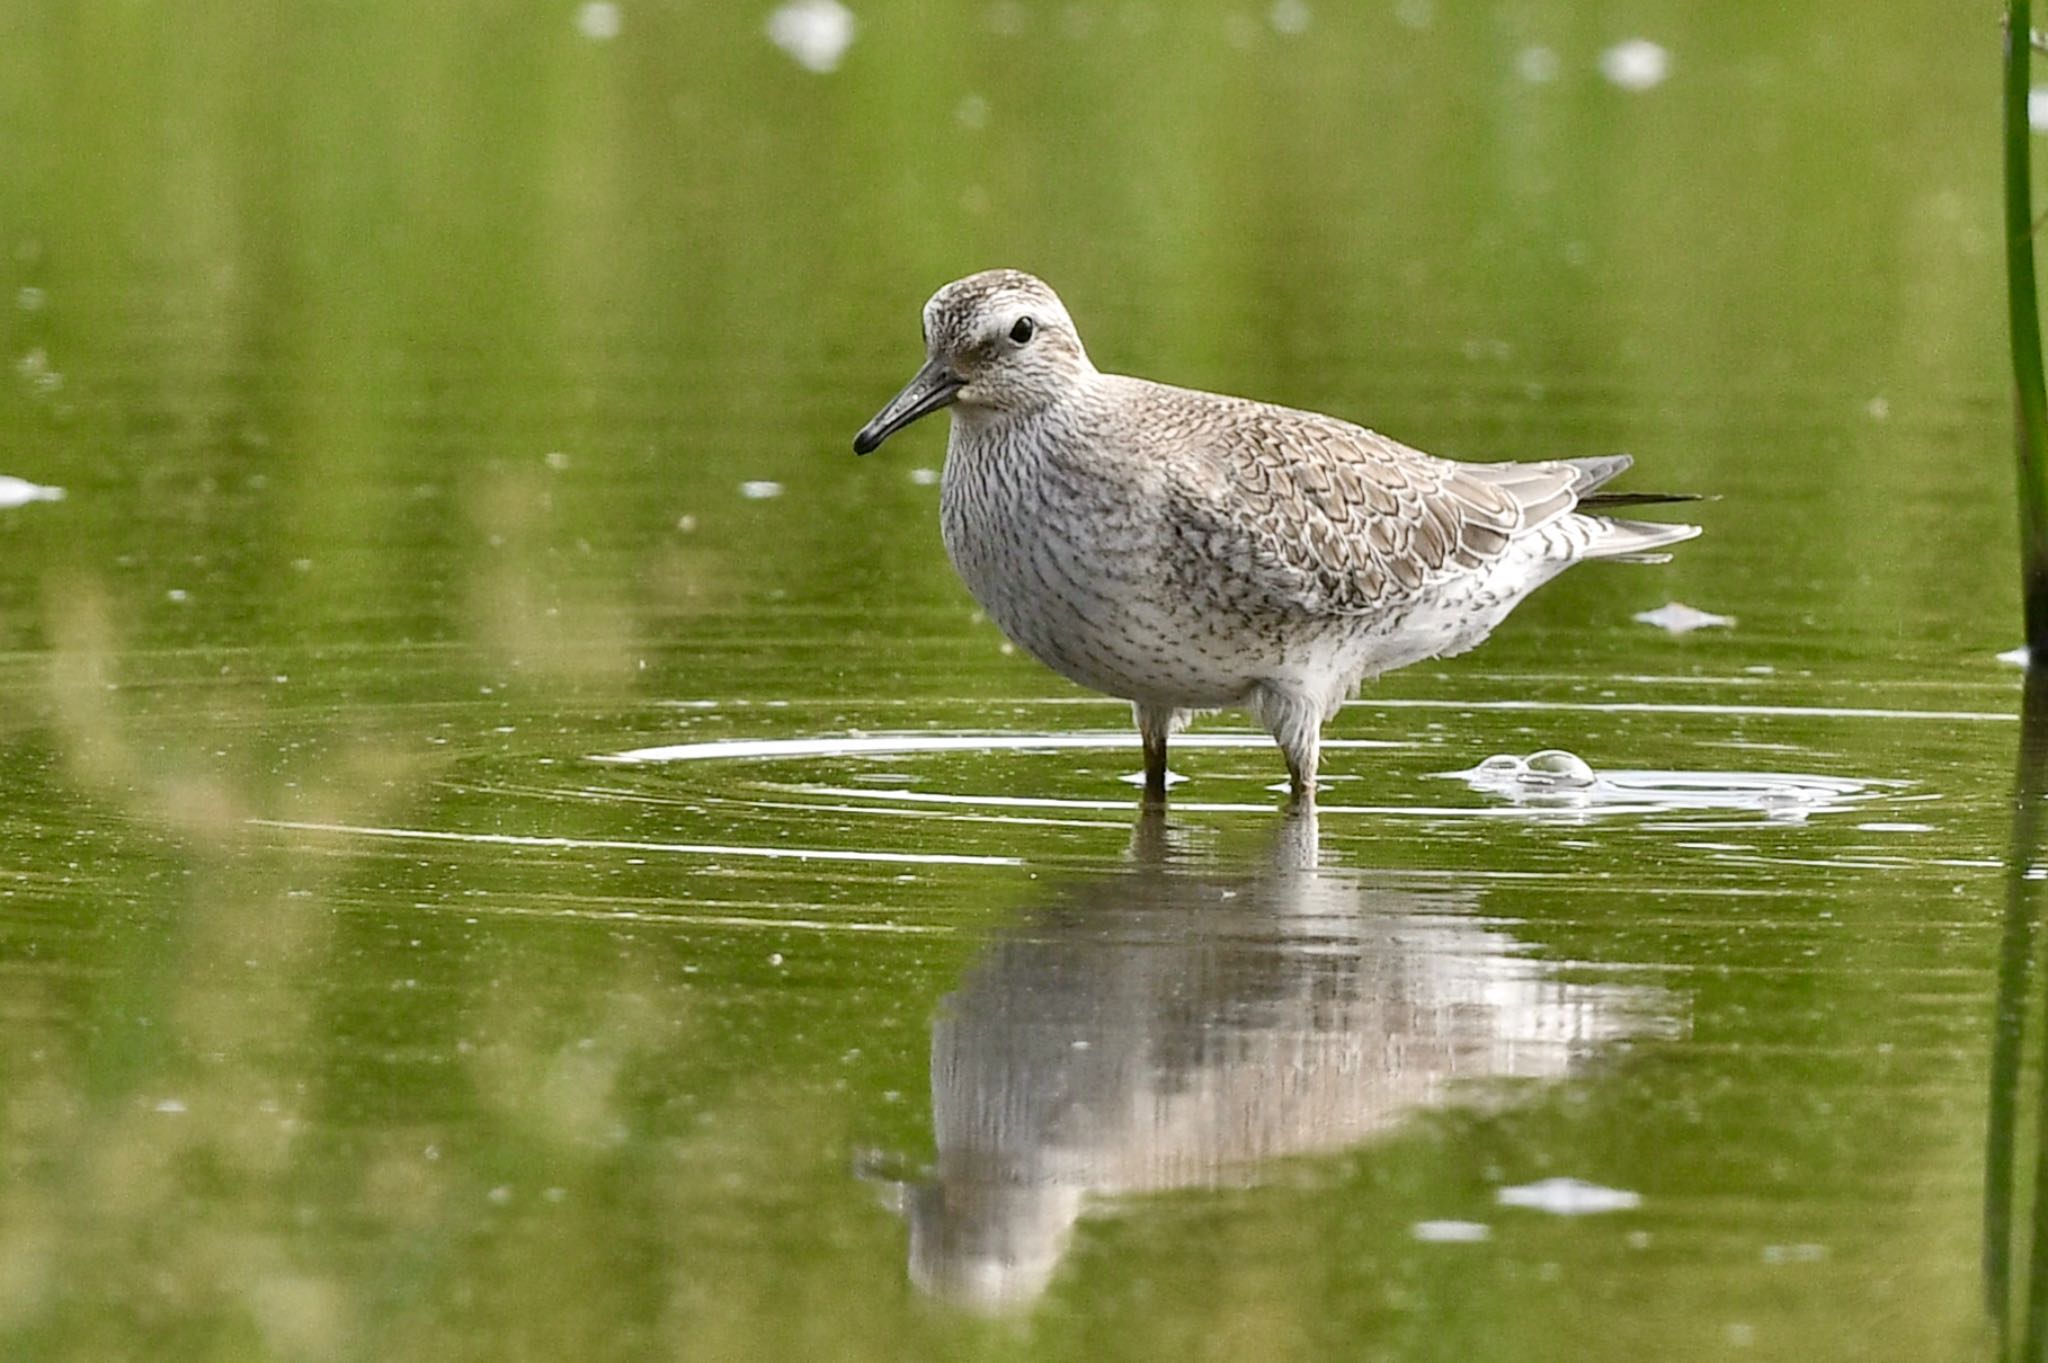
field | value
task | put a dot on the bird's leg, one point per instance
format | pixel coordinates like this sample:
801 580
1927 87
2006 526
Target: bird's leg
1155 769
1154 724
1301 774
1296 723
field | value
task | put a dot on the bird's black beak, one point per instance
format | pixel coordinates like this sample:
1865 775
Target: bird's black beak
934 387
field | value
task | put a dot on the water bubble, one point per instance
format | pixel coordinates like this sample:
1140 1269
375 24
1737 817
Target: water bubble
1551 771
1560 780
599 21
1637 64
1006 17
1537 64
760 489
34 365
1558 768
1290 17
815 33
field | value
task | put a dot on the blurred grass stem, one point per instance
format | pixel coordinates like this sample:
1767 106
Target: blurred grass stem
2030 387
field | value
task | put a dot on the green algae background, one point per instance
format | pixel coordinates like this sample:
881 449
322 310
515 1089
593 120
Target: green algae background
406 369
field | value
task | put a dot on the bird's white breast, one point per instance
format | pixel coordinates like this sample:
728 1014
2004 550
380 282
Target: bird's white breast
1072 566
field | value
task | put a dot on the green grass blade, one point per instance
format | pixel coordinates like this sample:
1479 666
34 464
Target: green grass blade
2030 387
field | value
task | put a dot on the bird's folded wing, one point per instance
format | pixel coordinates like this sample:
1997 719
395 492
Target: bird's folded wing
1330 518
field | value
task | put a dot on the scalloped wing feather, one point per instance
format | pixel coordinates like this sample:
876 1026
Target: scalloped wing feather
1331 518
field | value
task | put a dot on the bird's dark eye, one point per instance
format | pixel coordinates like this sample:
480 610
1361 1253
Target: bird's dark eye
1022 331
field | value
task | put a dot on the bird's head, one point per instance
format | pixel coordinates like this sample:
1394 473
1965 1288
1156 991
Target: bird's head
999 342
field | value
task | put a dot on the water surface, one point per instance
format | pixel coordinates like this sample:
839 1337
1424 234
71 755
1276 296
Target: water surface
517 846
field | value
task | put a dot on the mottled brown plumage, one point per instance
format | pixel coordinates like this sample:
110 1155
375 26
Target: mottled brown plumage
1189 551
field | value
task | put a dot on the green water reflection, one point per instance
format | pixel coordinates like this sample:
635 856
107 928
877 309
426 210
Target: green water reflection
405 369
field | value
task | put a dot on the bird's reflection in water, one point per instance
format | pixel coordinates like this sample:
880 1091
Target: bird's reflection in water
1172 1026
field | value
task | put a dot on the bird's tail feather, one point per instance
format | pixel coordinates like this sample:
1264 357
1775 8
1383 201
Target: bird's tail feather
1609 499
1634 541
1595 469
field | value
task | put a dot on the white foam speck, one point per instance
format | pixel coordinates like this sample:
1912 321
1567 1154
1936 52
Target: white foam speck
599 21
2037 108
924 477
2016 657
1415 13
760 490
35 368
1289 17
1137 778
815 33
30 298
1537 64
1568 1197
1896 827
1451 1232
1676 617
971 113
170 1106
1637 64
1007 18
20 492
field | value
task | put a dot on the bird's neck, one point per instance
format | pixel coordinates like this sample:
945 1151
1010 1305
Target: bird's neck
1064 410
